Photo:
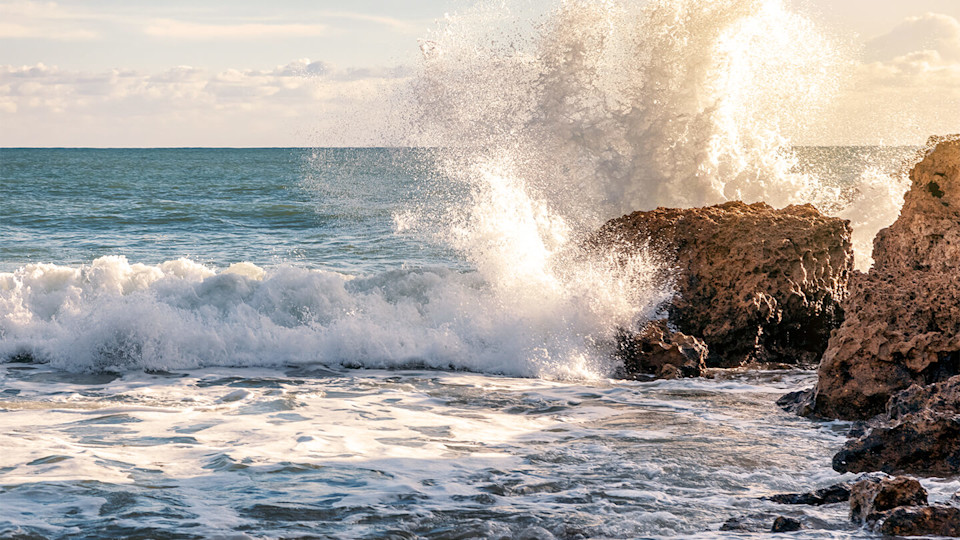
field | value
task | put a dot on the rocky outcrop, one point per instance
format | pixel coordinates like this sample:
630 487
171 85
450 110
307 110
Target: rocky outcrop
925 443
755 284
658 352
873 495
902 324
934 520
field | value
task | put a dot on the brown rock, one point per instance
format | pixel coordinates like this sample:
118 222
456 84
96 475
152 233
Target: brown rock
902 323
925 443
657 351
873 495
755 284
786 524
943 397
935 520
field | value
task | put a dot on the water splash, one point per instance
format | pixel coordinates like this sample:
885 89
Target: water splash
603 108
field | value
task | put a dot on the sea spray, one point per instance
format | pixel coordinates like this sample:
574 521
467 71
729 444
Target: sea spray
603 108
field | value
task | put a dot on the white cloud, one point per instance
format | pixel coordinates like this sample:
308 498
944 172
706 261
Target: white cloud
928 32
170 28
184 105
43 20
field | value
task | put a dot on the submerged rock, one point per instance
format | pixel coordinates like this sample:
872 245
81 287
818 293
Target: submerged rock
828 495
754 283
873 495
902 324
657 351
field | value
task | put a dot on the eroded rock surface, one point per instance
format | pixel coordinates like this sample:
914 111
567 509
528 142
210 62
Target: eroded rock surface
934 520
657 351
828 495
902 324
754 283
873 495
925 443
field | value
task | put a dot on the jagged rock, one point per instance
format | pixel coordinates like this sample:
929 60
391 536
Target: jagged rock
902 323
873 495
925 443
655 350
935 520
828 495
786 524
799 402
943 397
755 284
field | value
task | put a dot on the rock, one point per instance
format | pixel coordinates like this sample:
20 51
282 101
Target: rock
655 350
935 520
750 523
943 397
799 402
755 284
873 495
828 495
786 524
902 324
926 443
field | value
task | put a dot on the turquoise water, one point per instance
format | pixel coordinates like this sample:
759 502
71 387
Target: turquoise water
330 208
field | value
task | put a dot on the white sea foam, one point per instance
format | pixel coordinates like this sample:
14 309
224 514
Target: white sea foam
112 315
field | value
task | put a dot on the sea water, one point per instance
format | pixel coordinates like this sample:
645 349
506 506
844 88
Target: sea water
409 342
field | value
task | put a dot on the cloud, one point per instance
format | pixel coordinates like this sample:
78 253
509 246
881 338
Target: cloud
45 105
36 20
928 32
174 29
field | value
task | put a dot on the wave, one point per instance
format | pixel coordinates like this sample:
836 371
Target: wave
597 109
116 316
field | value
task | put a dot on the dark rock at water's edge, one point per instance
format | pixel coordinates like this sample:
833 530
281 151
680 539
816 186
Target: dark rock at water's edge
657 351
902 324
786 524
925 443
828 495
934 520
754 283
873 495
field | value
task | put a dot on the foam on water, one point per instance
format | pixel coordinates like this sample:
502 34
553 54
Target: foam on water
113 315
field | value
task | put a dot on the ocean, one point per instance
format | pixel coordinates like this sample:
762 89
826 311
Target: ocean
410 342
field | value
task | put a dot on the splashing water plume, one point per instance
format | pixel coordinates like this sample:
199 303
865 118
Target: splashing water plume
603 108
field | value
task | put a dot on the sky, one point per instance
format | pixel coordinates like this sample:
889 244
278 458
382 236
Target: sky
121 73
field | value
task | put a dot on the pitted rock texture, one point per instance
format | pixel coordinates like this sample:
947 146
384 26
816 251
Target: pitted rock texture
934 520
925 443
902 324
754 283
657 351
872 496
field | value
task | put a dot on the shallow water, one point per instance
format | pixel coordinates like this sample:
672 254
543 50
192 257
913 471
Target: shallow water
310 451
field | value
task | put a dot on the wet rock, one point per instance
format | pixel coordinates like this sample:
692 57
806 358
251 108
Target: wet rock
657 351
935 520
873 495
926 443
750 523
799 402
828 495
786 524
942 397
755 284
902 324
